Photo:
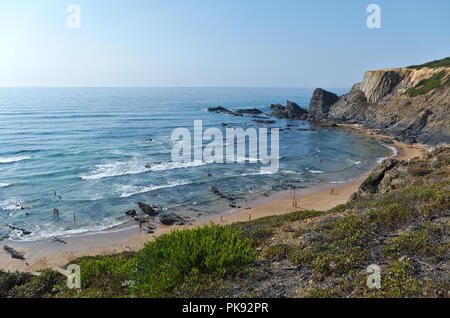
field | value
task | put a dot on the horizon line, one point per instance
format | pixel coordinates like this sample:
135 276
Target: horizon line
130 86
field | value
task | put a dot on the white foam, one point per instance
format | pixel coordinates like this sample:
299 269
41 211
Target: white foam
291 172
315 171
14 159
115 169
175 165
130 190
4 185
49 230
394 153
11 204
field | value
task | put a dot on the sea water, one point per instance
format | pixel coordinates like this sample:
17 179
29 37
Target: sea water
91 146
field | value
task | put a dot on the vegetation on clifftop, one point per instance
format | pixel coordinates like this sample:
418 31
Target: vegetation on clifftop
426 85
433 64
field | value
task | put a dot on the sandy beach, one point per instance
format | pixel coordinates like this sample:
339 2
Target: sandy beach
48 254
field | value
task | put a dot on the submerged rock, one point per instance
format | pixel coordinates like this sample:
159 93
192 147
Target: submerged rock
222 194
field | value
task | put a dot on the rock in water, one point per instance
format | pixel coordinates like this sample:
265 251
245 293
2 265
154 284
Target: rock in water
320 104
219 109
150 210
131 213
222 194
252 111
24 232
291 111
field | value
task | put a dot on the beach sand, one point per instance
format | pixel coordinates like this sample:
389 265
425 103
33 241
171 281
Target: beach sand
48 254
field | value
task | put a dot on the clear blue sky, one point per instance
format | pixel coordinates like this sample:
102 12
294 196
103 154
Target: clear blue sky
291 43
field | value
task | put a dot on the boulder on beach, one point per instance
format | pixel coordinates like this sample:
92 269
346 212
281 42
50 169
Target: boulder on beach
14 254
171 219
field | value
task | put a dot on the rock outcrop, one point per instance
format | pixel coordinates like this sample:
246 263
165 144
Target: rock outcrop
251 111
320 104
377 84
291 111
171 219
413 105
150 210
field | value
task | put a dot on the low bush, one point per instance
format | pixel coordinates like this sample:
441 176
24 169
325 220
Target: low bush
162 265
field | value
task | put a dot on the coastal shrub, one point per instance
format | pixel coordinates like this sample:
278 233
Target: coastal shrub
340 246
436 63
9 280
163 264
260 230
424 243
277 252
105 276
398 281
44 285
426 85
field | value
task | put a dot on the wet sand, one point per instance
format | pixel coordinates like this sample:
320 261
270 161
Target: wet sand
47 253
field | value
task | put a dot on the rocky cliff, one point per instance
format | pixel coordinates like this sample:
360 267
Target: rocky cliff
412 104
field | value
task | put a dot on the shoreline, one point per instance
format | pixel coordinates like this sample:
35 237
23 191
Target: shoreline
46 253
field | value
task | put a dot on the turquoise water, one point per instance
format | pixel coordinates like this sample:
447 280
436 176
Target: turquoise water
89 145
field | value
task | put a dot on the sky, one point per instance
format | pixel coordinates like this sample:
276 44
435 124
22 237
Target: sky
257 43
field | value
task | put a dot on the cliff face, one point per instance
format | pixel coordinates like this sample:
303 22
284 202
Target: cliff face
411 104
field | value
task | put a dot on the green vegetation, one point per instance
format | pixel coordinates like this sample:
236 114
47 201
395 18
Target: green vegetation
23 285
362 99
103 276
215 251
433 64
261 229
341 246
423 243
426 85
277 252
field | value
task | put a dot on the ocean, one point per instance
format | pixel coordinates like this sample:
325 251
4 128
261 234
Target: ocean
90 146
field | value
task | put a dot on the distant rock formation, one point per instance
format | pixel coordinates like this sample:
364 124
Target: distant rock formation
413 105
219 109
251 111
291 111
320 104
